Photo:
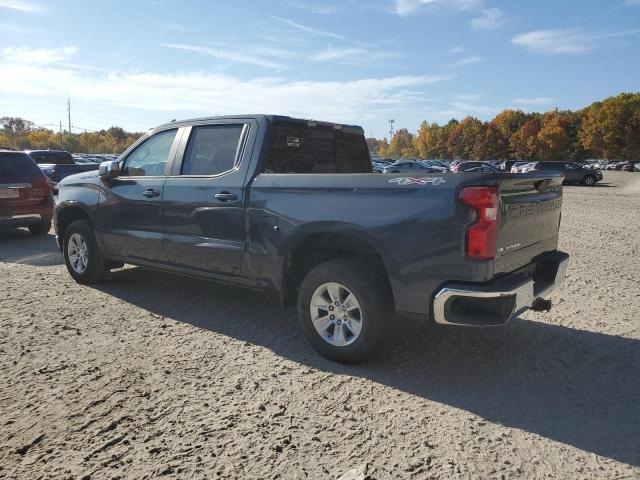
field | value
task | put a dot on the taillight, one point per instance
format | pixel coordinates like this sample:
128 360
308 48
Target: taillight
481 234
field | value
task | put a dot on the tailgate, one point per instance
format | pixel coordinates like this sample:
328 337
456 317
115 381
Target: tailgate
529 219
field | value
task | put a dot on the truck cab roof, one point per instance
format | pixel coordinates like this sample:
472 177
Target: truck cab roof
264 118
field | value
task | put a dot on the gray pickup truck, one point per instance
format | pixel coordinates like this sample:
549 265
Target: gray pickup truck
292 207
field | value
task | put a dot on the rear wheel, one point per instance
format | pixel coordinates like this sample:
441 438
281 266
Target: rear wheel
589 180
40 228
82 256
344 309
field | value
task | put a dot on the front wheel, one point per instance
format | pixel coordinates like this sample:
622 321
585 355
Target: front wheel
82 256
589 180
344 309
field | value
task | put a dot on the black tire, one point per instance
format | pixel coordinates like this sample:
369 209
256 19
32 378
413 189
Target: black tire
373 296
40 228
589 180
95 270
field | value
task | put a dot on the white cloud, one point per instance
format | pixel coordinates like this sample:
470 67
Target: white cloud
553 42
467 61
38 56
313 7
564 42
469 108
309 30
352 55
408 7
197 93
535 101
468 96
228 54
332 53
14 28
23 6
490 19
454 50
176 27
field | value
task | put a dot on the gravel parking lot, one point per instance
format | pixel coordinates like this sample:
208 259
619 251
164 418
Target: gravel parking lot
150 374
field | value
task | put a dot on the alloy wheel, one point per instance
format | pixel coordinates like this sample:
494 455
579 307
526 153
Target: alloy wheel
336 314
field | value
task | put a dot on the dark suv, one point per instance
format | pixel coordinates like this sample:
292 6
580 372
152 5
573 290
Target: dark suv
25 194
573 173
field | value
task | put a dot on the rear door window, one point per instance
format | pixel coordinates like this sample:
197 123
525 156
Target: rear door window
212 149
17 165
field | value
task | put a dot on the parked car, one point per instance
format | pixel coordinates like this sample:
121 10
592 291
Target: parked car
517 167
268 202
410 166
58 164
506 165
627 166
573 173
477 167
442 163
380 164
25 194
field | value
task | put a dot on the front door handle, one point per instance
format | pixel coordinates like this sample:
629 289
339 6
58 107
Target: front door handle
226 196
150 193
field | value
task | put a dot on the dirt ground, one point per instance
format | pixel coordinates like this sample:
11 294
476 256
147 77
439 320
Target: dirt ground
152 375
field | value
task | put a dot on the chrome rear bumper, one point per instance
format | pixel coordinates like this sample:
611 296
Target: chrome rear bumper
497 303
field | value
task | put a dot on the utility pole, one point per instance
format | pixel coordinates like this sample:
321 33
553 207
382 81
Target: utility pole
391 122
69 111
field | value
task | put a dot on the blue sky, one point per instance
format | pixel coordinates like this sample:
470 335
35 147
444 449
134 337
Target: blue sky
143 62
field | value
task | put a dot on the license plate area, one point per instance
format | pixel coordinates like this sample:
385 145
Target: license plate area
9 193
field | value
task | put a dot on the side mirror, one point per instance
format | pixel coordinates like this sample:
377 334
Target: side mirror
109 169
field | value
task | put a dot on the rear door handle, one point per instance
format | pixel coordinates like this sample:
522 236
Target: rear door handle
226 196
150 193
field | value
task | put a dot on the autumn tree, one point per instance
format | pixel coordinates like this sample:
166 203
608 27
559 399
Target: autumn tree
523 144
401 145
610 128
23 134
373 145
383 148
463 138
553 140
493 144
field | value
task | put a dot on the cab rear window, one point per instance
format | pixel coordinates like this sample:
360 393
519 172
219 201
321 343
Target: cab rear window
17 165
57 158
307 148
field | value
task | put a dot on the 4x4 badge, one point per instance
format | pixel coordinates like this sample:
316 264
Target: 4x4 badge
417 181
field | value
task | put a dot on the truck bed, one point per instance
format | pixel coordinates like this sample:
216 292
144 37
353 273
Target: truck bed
417 224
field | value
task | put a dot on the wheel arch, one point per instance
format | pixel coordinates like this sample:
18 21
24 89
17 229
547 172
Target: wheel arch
316 246
66 213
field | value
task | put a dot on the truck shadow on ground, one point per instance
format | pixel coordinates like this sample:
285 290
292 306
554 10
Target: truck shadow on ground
21 247
576 387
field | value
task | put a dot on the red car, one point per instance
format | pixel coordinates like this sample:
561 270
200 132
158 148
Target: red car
26 199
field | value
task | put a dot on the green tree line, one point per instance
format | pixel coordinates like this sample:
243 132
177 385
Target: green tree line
22 134
609 129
